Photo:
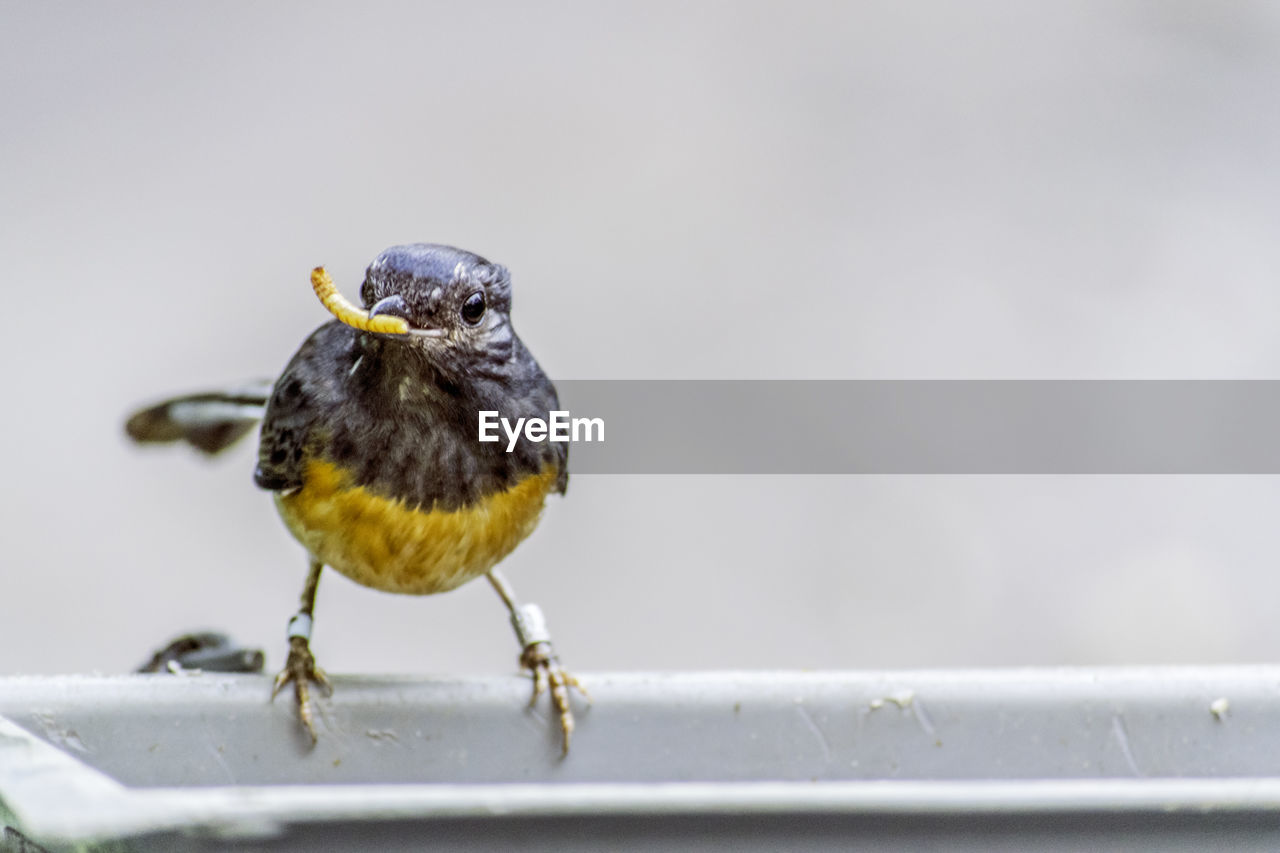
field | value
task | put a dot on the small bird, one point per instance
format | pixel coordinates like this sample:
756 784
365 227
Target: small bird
369 443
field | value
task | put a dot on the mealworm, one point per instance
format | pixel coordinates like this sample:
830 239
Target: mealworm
351 314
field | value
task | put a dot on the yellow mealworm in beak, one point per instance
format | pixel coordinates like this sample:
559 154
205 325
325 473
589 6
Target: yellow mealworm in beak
350 314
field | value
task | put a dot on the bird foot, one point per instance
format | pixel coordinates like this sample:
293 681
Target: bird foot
549 676
301 669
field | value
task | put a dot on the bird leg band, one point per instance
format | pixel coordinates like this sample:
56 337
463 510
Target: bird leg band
300 626
530 625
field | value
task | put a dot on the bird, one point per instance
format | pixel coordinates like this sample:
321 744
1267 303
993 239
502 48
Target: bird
369 444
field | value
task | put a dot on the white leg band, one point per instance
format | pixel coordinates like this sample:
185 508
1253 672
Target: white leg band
300 626
530 625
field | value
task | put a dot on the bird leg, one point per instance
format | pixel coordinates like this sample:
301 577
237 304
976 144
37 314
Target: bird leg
538 656
301 667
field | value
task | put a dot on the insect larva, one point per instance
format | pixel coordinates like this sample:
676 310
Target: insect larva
351 314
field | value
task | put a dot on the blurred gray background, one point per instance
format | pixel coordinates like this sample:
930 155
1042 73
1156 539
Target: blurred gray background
682 190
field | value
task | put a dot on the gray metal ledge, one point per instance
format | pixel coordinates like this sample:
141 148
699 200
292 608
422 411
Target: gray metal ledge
1154 758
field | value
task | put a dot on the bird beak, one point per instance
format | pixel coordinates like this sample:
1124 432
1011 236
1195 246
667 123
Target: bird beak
394 306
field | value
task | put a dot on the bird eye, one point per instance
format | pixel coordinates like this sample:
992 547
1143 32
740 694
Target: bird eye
473 308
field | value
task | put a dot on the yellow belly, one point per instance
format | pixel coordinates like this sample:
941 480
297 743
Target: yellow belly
383 543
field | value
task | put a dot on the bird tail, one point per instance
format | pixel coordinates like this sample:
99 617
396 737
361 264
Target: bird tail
210 421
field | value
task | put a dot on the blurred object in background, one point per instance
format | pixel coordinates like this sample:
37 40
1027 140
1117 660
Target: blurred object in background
207 651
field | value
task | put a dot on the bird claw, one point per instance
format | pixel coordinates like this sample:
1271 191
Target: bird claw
301 669
550 677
